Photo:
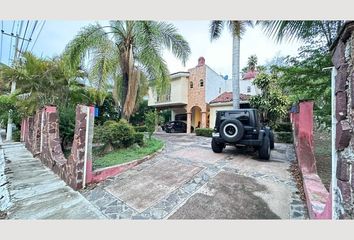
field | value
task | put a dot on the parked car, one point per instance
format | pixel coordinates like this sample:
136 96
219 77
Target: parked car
175 127
242 127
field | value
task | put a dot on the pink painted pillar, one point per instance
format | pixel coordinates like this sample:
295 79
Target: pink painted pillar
304 142
306 121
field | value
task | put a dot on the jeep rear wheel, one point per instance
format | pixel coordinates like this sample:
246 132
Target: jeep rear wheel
231 130
217 147
264 150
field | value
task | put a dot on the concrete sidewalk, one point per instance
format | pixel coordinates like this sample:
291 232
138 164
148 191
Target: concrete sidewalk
35 192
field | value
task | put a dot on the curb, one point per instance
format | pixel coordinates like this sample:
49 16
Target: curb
102 174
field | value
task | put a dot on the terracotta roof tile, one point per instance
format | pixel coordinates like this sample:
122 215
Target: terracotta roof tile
227 97
249 75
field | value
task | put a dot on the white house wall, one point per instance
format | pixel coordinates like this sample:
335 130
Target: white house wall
214 83
244 84
179 91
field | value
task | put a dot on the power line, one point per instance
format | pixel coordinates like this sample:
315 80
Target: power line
2 31
24 37
16 43
12 32
30 37
38 36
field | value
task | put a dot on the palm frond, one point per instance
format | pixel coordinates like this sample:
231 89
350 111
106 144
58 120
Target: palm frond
238 28
90 37
289 30
215 29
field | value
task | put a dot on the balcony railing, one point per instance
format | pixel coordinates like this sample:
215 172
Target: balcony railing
163 98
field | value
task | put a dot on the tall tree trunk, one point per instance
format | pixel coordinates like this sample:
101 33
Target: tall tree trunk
125 81
130 84
236 71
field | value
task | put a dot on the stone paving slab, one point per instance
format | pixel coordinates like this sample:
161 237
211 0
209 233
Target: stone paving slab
35 192
197 154
151 184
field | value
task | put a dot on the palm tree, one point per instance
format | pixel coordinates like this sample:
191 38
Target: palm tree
302 30
127 54
252 62
237 28
39 81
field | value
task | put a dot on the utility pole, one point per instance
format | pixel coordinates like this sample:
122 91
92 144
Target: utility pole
13 83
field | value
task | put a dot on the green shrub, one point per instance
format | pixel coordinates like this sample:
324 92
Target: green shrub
140 128
283 137
150 121
67 117
205 132
139 138
124 133
16 135
283 127
109 122
115 134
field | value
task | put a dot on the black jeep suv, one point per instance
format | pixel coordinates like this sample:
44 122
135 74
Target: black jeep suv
242 127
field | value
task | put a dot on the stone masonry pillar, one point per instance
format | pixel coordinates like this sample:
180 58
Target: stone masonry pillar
189 122
204 120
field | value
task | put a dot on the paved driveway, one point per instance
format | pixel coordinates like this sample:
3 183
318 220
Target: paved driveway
188 181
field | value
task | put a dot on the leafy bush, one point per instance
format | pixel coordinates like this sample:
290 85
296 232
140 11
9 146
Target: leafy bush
66 125
140 128
205 132
16 135
139 138
138 117
150 118
284 137
124 133
283 127
109 122
115 135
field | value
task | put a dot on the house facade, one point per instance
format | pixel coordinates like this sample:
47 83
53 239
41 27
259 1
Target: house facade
191 96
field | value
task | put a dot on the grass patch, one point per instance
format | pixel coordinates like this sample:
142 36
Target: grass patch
125 155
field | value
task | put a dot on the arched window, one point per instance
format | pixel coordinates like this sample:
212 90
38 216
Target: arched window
191 84
201 83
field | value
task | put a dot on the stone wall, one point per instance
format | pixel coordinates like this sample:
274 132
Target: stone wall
343 61
41 136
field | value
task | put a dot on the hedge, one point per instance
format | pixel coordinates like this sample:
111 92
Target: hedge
284 137
205 132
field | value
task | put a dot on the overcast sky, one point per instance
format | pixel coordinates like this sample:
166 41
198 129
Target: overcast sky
218 54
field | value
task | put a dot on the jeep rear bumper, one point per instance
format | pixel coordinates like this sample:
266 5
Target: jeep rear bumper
247 142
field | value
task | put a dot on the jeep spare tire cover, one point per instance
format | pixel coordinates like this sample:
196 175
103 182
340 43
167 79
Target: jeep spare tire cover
231 130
